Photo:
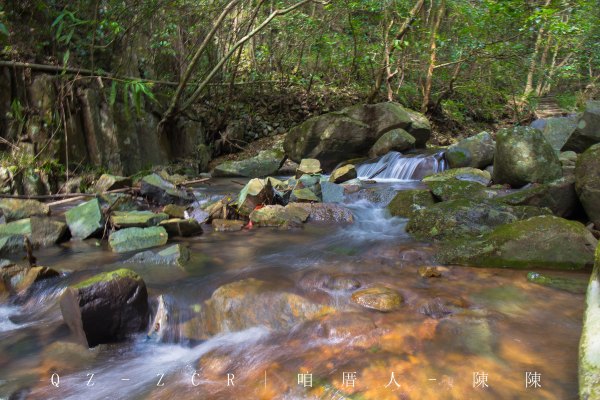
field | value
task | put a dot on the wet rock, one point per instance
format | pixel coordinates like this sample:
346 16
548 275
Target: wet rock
439 307
453 189
467 335
12 244
200 215
476 151
160 191
107 307
429 272
540 242
267 162
276 215
85 220
325 212
467 174
178 255
351 132
243 304
15 209
227 225
118 202
589 345
587 182
304 195
46 231
342 283
558 130
559 196
394 140
556 282
108 182
523 155
332 192
463 217
20 227
181 227
131 239
587 132
347 326
405 202
174 211
343 174
256 192
308 166
378 298
33 275
136 219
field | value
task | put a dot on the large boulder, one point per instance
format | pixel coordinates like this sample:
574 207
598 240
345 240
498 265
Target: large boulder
106 308
14 209
85 220
351 132
162 192
476 151
394 140
131 239
587 132
243 304
559 196
587 182
460 183
464 174
408 201
46 231
557 131
523 155
465 217
589 345
538 242
266 162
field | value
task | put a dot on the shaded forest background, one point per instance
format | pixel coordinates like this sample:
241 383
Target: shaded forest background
261 66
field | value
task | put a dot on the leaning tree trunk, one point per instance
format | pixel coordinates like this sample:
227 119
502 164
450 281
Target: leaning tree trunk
432 57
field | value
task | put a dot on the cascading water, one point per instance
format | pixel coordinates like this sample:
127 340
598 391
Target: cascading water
398 166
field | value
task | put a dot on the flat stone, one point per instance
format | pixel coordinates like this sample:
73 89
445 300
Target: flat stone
46 231
174 211
20 227
108 182
85 220
131 239
160 191
15 209
343 174
178 255
308 166
182 227
136 219
429 272
332 192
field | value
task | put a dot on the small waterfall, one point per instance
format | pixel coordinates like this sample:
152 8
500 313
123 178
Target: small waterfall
397 166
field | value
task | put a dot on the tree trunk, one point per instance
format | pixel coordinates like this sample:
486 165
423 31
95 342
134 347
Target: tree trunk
432 57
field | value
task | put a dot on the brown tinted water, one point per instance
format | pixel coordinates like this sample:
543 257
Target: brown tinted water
489 322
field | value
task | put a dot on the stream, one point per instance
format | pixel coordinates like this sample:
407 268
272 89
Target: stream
469 334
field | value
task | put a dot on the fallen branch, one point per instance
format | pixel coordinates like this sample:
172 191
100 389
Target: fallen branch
194 182
380 170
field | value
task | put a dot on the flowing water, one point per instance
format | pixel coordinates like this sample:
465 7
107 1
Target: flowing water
395 166
488 324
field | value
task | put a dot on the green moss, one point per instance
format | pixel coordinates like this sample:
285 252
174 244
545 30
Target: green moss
107 276
560 283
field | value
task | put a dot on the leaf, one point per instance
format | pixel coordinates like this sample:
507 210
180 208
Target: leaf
113 93
66 56
3 29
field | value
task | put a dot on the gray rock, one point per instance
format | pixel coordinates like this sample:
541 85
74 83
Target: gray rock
85 220
15 209
587 132
267 162
476 151
587 182
131 239
162 192
332 193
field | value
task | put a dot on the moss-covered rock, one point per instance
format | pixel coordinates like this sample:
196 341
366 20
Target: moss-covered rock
407 201
12 244
523 155
559 196
136 219
256 192
161 191
131 239
589 345
276 215
178 255
20 227
304 195
539 242
174 211
265 163
46 231
308 166
558 130
465 217
587 182
85 220
453 189
182 227
476 151
394 140
227 225
15 209
107 307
